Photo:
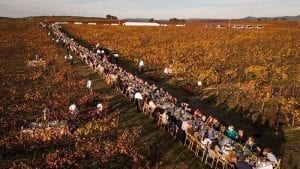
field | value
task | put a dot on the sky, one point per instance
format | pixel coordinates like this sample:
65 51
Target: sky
157 9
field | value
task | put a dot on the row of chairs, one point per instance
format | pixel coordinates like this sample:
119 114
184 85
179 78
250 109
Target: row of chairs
209 156
206 154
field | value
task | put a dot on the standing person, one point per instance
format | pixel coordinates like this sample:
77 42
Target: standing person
66 58
138 101
45 111
89 85
73 109
141 65
116 58
99 108
71 59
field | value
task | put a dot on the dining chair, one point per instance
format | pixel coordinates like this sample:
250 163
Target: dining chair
210 157
277 165
200 149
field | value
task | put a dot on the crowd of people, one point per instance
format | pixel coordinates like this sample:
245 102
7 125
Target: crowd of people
45 130
179 118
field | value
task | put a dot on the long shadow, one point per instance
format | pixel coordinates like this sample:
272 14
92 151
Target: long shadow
130 119
208 107
232 116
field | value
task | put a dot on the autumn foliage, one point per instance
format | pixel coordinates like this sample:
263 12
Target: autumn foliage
254 71
95 141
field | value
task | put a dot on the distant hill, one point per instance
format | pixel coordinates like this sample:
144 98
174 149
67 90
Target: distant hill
64 18
5 18
290 18
99 19
137 19
57 18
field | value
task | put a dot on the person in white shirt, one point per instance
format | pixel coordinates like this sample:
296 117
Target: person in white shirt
89 85
270 156
99 108
185 125
71 59
141 65
73 109
138 101
98 51
116 58
164 118
152 106
45 111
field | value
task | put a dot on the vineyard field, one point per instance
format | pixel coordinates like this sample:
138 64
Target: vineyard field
255 72
94 142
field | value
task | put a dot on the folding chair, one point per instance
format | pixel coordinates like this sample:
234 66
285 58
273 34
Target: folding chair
210 157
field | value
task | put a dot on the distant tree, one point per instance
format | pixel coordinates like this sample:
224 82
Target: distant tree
111 17
176 20
173 19
151 20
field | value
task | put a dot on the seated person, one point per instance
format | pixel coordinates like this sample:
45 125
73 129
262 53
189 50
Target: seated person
203 133
216 125
241 138
152 106
164 118
231 157
197 113
250 144
270 156
243 164
231 133
215 146
211 136
185 125
223 141
198 123
210 121
259 150
203 119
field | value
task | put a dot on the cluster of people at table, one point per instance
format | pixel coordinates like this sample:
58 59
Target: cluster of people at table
45 130
178 118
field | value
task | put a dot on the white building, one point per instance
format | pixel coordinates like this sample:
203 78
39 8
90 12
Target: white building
237 26
259 26
249 27
92 23
221 26
78 23
208 26
180 25
140 24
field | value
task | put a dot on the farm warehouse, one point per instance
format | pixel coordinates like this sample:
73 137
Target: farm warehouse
140 24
